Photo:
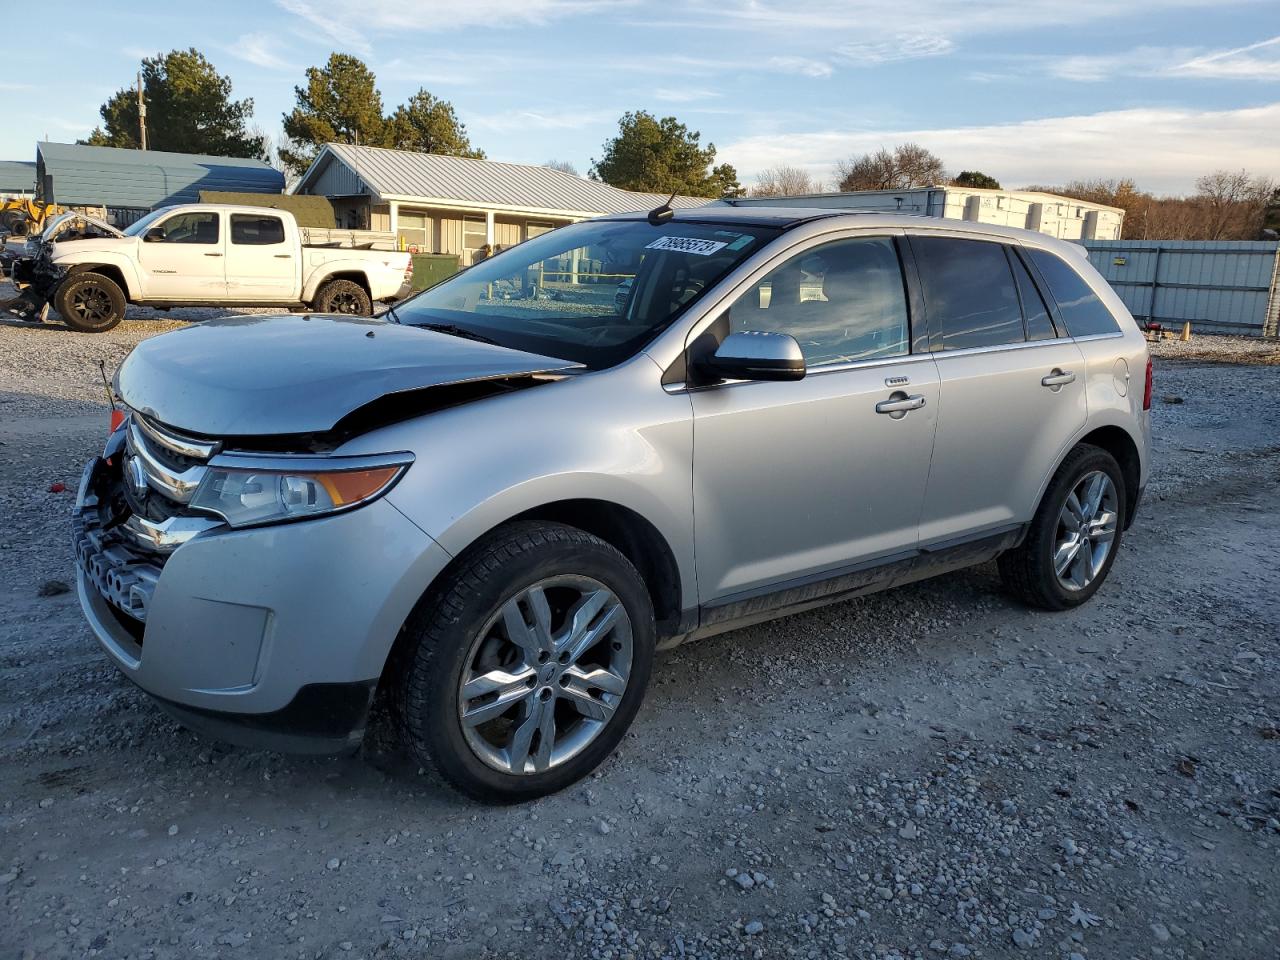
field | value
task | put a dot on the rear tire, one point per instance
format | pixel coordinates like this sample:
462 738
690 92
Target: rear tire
573 683
1072 543
344 296
90 302
17 225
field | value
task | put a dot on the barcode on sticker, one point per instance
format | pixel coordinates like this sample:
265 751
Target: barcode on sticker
703 248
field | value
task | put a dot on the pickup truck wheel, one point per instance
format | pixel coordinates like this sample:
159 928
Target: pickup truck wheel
90 302
344 296
526 665
1074 534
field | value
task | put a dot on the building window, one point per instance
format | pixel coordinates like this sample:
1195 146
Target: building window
414 231
532 230
473 235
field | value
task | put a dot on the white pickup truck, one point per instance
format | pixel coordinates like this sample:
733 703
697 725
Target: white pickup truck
205 255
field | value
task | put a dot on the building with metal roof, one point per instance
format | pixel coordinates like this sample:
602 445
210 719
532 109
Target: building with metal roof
17 177
128 183
455 205
1047 213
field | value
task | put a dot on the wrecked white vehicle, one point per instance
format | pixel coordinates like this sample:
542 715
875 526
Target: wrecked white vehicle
199 255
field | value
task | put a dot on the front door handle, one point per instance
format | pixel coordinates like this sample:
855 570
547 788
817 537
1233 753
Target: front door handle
213 254
284 256
899 403
1058 378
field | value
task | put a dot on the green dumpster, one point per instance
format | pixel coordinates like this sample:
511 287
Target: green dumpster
430 268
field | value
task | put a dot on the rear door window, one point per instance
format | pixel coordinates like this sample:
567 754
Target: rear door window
1082 310
969 293
256 230
1039 323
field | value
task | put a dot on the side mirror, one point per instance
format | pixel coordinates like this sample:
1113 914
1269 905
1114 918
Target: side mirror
154 235
756 356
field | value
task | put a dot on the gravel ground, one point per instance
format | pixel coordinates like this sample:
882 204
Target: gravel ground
931 772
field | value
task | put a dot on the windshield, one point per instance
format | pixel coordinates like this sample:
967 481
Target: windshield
136 228
593 292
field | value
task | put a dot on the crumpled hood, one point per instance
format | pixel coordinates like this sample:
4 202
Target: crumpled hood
59 223
271 375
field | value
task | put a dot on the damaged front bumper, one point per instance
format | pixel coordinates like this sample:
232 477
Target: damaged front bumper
272 637
35 279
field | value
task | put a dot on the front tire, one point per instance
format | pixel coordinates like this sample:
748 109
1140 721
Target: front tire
525 666
90 302
344 296
1074 535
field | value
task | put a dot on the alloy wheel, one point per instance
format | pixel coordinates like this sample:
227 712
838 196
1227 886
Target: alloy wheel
91 304
1086 530
545 675
345 303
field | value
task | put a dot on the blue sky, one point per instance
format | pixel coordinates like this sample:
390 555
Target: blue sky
1028 91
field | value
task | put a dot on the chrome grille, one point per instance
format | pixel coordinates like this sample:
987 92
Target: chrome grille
171 465
161 471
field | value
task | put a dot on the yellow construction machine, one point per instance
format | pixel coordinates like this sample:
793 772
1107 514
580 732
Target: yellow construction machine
21 216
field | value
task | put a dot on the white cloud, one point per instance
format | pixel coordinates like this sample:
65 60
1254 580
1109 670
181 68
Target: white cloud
683 94
1163 149
902 46
351 24
262 51
526 121
1232 65
1172 62
945 18
804 66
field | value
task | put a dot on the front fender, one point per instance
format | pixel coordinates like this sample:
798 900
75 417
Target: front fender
613 436
128 269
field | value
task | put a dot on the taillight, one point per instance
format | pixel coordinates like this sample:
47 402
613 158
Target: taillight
1146 391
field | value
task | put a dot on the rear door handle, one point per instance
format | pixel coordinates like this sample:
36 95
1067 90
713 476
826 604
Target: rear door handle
1058 378
900 403
284 256
213 254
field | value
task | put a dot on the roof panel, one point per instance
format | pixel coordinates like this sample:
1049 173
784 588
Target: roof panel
427 176
17 176
142 179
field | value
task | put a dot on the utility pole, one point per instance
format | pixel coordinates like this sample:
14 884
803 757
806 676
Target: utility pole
142 114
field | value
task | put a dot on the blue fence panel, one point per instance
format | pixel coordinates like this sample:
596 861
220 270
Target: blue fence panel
1219 286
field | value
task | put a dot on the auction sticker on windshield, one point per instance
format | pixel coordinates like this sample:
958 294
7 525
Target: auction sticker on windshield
703 248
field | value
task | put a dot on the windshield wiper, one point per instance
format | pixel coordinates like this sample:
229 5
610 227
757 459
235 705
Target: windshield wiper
453 330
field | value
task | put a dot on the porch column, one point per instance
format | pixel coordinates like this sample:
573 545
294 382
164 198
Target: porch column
395 223
488 227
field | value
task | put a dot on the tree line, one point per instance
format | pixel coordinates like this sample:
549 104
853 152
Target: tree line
1226 205
190 109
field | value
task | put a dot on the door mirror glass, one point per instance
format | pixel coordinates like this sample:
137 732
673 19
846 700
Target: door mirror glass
756 356
154 235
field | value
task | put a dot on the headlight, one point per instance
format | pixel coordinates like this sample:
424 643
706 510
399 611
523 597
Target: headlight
248 490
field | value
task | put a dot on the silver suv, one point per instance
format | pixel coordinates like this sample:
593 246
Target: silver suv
498 502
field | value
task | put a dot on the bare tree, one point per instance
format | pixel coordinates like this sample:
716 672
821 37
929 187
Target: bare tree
564 166
785 182
905 166
1225 206
1235 204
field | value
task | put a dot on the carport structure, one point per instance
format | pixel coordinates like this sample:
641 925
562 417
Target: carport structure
128 183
